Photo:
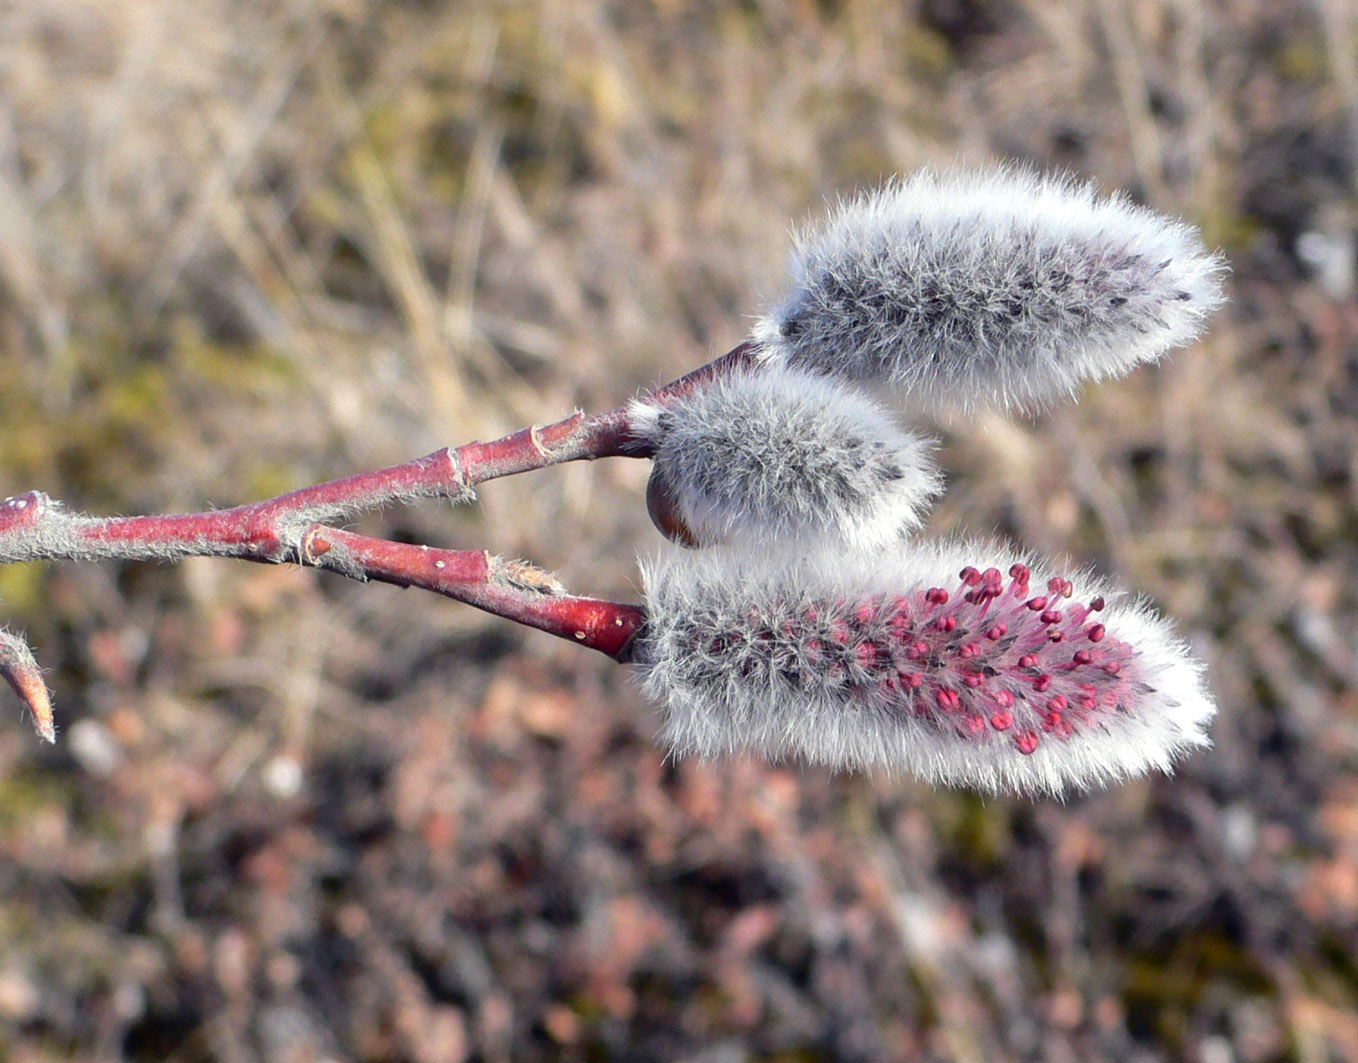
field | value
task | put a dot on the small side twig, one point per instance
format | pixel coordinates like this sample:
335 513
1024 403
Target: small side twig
514 590
23 675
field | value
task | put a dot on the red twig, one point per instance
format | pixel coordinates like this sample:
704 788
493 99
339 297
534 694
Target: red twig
32 527
515 590
295 528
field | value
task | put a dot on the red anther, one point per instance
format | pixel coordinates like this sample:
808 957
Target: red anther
1089 704
1112 668
814 646
811 615
1002 721
970 576
998 631
969 651
865 613
1004 699
839 631
1051 721
1051 616
991 577
936 596
1042 684
948 700
1055 584
1020 572
1067 588
1057 703
1089 688
972 726
1097 604
1026 742
867 654
922 648
946 623
1037 604
1027 661
974 680
1096 632
913 680
1056 636
1082 657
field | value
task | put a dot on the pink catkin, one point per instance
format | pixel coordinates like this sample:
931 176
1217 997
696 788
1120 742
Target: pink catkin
990 680
985 656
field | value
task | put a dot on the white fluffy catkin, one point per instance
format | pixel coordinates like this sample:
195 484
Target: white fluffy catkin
997 287
928 661
777 454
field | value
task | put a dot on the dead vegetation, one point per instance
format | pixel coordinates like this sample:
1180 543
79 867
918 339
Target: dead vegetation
244 246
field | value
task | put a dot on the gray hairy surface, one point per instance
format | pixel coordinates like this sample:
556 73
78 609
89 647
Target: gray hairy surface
777 454
991 288
48 529
736 667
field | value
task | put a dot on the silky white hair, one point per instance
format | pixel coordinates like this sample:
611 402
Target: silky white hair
991 287
783 654
781 455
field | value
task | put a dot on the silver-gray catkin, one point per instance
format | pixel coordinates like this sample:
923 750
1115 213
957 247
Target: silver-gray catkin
998 287
780 455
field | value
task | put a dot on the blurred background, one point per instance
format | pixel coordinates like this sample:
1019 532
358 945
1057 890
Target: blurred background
248 245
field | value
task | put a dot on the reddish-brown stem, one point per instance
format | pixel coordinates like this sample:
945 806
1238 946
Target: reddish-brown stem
294 528
511 589
271 530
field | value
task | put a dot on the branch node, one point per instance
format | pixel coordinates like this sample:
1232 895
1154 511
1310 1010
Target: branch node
460 489
525 576
22 511
314 547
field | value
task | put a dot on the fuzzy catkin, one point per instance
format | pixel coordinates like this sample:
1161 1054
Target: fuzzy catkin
998 287
781 455
929 661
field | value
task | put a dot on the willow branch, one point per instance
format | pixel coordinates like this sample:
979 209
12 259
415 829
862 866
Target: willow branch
514 590
294 528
